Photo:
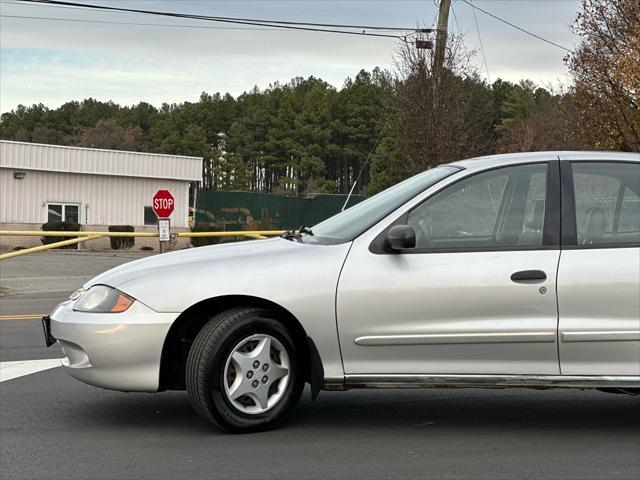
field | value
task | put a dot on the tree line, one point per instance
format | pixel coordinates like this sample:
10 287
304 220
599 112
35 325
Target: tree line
381 126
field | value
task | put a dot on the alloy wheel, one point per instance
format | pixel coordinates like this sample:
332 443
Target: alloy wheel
256 374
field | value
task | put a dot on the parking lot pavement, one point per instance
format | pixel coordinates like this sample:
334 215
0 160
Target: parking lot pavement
33 285
52 426
55 427
37 282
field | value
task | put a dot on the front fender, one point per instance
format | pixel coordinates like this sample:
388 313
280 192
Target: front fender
301 278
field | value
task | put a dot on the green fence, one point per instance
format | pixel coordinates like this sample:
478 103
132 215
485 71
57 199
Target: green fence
260 211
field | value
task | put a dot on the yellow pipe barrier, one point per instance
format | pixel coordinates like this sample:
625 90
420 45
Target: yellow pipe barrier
84 236
37 233
248 233
259 237
40 248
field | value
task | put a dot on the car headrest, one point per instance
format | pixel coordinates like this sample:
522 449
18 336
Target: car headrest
595 225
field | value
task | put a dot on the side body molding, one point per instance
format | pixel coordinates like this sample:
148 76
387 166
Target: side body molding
457 338
601 336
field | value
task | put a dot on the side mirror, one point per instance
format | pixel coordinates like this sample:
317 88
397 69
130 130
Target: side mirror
401 237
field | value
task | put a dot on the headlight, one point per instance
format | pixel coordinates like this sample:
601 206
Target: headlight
103 299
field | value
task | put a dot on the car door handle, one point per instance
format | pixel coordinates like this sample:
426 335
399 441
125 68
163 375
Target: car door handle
524 275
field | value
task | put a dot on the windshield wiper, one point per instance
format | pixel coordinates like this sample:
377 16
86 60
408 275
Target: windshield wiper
297 234
291 235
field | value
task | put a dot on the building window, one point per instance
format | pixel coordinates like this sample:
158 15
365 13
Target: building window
150 217
63 212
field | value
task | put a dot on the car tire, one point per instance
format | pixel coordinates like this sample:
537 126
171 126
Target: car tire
229 357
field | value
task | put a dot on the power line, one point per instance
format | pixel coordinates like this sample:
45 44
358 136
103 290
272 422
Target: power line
81 20
307 26
266 26
25 3
172 25
484 58
515 26
455 18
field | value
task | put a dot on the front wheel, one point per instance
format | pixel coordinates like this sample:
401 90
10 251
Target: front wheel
244 371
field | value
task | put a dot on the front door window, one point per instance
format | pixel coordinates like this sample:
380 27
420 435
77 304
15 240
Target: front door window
499 208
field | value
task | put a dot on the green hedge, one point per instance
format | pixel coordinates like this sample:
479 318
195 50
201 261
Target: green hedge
203 241
60 227
121 243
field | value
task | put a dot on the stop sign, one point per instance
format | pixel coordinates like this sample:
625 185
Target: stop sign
163 203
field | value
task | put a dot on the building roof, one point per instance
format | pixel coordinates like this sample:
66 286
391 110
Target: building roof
94 161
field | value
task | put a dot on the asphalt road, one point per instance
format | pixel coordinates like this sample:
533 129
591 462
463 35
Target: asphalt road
36 283
52 426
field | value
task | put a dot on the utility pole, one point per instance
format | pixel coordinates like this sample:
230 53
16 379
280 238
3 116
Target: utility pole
438 65
441 41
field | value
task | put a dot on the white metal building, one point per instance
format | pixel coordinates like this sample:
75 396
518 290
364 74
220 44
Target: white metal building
96 188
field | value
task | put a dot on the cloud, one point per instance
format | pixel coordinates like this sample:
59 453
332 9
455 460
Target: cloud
53 62
56 77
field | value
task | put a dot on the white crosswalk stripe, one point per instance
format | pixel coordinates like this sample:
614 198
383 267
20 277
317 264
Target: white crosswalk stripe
20 368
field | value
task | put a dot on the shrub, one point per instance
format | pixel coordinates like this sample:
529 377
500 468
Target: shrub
121 243
205 227
60 227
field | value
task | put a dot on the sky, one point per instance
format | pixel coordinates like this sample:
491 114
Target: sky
55 61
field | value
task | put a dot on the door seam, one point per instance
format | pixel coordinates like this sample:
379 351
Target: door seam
561 172
558 311
335 306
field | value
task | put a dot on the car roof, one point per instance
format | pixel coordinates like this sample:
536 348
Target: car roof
481 163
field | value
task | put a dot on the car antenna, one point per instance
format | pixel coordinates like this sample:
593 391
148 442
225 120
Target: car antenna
363 166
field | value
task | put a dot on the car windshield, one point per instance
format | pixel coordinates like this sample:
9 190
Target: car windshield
352 222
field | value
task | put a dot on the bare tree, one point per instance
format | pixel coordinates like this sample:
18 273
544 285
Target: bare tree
438 124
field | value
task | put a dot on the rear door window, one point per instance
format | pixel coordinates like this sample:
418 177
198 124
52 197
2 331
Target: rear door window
607 202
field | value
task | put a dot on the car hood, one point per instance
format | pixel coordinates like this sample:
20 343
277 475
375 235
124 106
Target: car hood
197 257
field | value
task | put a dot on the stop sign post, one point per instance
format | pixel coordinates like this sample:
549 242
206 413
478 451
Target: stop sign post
163 204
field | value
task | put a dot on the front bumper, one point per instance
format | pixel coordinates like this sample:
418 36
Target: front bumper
119 351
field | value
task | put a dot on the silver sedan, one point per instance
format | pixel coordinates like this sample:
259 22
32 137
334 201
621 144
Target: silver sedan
505 271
